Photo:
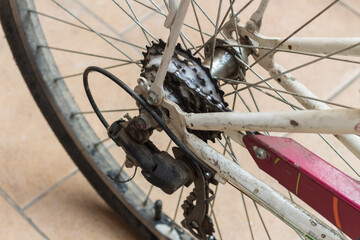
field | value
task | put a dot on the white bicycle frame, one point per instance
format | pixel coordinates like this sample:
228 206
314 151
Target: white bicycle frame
344 123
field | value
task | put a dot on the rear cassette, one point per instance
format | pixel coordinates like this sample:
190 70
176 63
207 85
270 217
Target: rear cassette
188 83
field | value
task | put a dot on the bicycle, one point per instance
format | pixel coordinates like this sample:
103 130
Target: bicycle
193 160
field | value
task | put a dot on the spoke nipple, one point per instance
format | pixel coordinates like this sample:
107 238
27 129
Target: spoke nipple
158 210
260 153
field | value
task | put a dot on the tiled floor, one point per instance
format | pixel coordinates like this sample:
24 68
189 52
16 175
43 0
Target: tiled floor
42 193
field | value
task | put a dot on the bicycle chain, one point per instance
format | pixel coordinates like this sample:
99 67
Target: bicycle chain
188 83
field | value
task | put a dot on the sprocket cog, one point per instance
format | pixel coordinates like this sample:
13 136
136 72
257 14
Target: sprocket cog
188 83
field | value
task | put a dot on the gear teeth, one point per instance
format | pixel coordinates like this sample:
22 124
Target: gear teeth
161 43
192 197
194 99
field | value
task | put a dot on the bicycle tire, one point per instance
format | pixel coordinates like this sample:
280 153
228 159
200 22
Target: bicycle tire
20 41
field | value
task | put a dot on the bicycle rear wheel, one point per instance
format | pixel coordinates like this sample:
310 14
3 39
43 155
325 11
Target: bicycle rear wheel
57 95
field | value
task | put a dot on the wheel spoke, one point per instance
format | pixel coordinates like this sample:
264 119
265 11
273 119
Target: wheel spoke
301 66
293 33
105 111
339 154
258 87
251 85
207 16
163 14
198 23
177 208
183 37
86 54
212 212
227 23
145 31
247 216
92 30
293 52
137 20
81 73
148 194
215 34
262 220
86 29
101 142
227 150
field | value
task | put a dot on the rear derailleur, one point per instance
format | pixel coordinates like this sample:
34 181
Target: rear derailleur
168 173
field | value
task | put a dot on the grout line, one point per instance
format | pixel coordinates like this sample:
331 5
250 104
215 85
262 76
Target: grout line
108 26
21 212
348 7
47 191
343 87
141 19
336 93
101 21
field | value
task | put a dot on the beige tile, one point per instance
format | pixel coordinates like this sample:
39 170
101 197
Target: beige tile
31 158
75 211
13 225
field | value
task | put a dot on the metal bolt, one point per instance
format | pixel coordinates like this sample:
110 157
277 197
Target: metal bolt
195 224
211 237
207 175
313 222
152 98
260 153
323 235
127 116
250 27
140 123
158 210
